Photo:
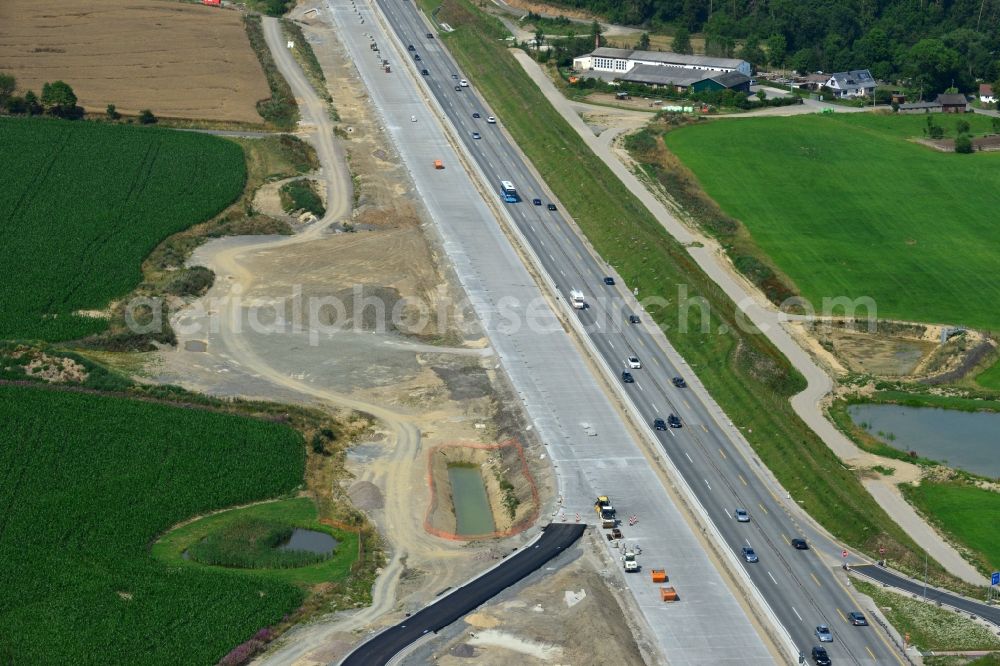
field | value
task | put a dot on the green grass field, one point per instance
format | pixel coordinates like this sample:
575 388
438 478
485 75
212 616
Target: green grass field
87 483
970 514
990 378
929 627
845 206
83 204
297 512
748 377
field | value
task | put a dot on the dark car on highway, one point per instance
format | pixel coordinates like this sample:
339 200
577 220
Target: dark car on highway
610 281
800 544
537 202
659 424
749 555
821 657
627 377
551 206
673 421
857 619
424 72
634 319
416 56
430 36
410 48
475 114
679 382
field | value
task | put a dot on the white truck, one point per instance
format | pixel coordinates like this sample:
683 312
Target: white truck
576 298
629 561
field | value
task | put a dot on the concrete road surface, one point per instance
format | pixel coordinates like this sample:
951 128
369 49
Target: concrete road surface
803 588
588 442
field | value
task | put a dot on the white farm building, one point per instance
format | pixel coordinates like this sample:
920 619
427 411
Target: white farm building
621 61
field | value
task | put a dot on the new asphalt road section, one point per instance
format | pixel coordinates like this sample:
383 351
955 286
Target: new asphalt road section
932 594
804 588
378 650
570 411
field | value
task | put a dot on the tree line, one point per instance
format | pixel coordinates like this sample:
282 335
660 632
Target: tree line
57 99
931 44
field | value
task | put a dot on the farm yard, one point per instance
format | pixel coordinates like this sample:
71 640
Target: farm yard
180 60
83 204
87 482
846 205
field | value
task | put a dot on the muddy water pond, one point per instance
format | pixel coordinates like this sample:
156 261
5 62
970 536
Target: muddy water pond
472 506
310 541
964 440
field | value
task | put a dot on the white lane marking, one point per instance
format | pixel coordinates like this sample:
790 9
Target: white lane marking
747 541
673 434
686 454
561 271
796 613
640 387
612 344
774 581
706 483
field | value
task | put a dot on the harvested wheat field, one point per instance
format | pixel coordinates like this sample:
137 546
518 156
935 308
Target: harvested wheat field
178 60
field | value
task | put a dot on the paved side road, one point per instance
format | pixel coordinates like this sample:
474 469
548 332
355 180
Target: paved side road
380 649
710 259
892 579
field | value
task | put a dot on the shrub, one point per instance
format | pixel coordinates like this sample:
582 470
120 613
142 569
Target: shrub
146 117
963 144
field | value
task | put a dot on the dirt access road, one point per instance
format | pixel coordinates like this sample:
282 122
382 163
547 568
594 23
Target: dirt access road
807 404
179 60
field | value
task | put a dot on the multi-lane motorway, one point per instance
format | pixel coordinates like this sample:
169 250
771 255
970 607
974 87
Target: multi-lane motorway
803 587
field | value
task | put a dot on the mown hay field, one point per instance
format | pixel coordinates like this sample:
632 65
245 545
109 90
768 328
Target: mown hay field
83 204
846 205
179 60
87 483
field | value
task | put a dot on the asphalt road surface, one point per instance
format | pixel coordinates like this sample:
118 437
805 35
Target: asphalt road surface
804 588
887 577
378 650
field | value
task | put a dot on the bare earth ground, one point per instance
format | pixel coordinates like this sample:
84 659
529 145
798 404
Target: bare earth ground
436 387
179 60
572 616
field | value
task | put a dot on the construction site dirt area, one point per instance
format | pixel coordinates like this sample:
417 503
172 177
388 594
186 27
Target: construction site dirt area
569 616
510 488
179 60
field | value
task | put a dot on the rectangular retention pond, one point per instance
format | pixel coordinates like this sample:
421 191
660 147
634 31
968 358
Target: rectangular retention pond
963 440
472 506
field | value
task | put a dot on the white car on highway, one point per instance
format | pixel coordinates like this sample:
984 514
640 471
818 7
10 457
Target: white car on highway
491 120
633 362
463 83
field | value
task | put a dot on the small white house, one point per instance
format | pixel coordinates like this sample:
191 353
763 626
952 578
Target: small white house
986 94
855 83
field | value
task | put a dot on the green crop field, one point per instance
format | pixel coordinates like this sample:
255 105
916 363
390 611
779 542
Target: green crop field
87 483
82 204
846 206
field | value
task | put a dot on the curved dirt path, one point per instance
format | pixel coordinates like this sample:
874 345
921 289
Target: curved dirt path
234 279
711 259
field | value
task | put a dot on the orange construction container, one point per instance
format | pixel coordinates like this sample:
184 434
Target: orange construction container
438 164
659 575
668 594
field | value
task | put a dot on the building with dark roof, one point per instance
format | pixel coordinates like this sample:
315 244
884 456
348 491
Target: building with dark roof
952 103
683 80
855 83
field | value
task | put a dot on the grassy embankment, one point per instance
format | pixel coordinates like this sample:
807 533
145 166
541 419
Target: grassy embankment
969 514
929 627
280 109
845 205
306 57
748 377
